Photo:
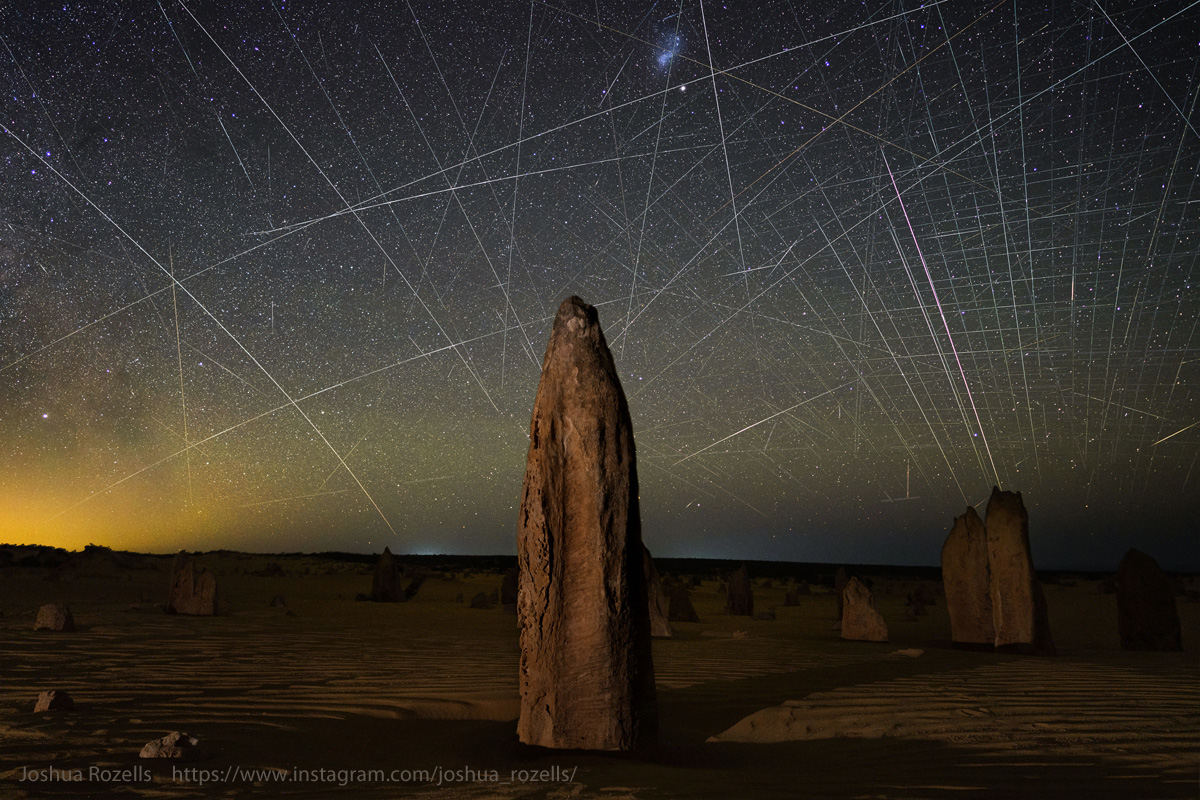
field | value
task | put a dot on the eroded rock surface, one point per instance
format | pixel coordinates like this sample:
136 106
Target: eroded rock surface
586 676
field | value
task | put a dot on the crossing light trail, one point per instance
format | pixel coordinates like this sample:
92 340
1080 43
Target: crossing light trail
345 202
175 283
946 325
1176 433
761 421
966 233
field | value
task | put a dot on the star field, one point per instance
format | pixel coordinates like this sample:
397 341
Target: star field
279 276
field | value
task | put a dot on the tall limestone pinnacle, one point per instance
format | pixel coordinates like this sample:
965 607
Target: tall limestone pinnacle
966 576
1018 606
586 676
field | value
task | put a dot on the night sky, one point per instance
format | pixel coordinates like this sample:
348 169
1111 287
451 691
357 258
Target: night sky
857 263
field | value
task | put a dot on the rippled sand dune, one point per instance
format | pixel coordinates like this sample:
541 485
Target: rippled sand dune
1027 706
305 700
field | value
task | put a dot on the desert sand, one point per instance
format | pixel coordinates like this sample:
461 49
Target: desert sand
426 691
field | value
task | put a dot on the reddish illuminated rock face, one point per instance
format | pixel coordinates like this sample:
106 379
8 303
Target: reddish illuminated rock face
193 589
967 581
1018 605
860 619
53 700
1146 614
54 617
586 677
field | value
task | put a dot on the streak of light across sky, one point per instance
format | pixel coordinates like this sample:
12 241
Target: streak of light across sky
278 277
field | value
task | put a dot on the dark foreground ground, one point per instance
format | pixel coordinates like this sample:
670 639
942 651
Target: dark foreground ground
327 696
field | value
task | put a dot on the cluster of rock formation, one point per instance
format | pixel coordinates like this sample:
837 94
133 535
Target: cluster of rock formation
966 579
921 598
680 608
53 700
586 676
193 588
1018 605
992 590
656 598
861 621
388 586
839 587
385 587
793 595
508 590
858 618
1147 618
54 617
740 600
176 745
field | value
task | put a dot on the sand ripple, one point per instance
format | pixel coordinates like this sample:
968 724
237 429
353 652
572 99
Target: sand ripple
1020 705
